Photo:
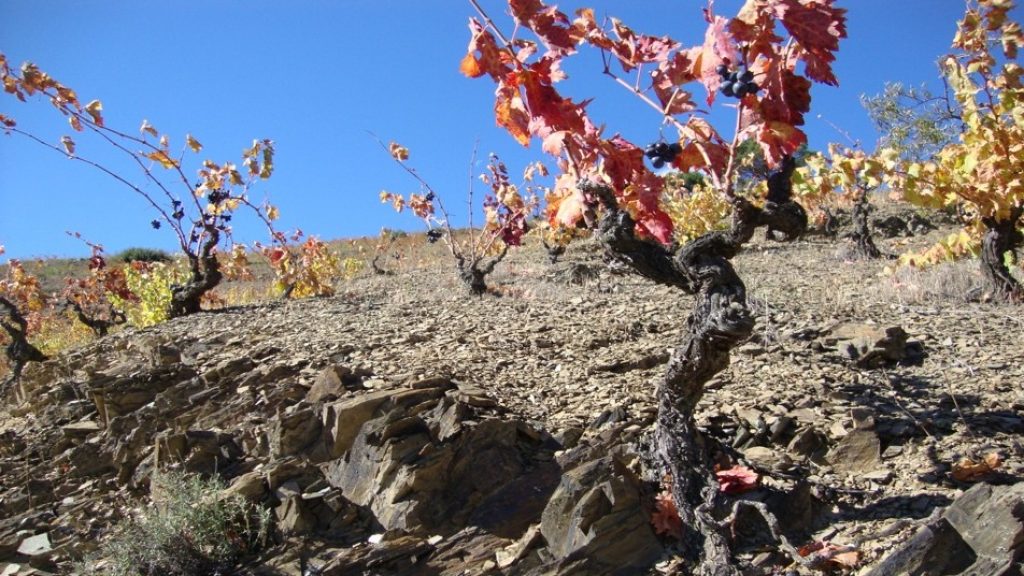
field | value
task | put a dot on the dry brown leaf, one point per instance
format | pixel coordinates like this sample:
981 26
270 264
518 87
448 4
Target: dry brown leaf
968 470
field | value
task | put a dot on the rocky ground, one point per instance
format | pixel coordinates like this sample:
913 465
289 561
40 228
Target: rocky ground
403 427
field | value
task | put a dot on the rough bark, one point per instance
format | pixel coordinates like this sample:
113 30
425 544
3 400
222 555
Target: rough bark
554 251
719 321
20 351
863 243
377 269
473 273
205 276
1001 236
99 326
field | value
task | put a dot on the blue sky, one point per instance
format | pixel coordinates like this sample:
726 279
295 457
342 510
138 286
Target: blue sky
315 76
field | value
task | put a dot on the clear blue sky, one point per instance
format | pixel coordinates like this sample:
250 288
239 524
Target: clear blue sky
316 75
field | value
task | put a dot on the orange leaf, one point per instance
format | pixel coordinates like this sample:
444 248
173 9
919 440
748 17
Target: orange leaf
162 157
95 109
665 517
398 152
566 210
968 470
470 67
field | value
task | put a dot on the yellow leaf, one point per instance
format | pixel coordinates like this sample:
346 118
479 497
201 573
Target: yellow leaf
398 152
95 109
162 157
69 145
193 143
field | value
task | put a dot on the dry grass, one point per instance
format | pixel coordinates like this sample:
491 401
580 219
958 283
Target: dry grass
948 282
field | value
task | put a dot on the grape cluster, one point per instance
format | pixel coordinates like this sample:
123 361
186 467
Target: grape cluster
662 153
736 83
433 235
217 196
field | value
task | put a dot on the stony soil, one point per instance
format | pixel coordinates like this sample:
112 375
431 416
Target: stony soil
572 349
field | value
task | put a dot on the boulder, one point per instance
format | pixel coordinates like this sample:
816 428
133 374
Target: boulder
866 345
595 521
426 461
980 534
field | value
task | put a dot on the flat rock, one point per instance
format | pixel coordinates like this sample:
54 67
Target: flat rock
858 452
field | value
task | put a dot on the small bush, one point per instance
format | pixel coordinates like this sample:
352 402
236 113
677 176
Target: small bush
190 529
143 255
151 284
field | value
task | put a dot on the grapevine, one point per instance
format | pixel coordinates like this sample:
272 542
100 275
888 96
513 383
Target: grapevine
506 211
199 212
981 170
843 177
21 304
765 59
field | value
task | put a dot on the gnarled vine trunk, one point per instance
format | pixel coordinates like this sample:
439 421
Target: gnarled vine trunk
1001 236
863 243
20 351
205 276
719 320
99 326
473 272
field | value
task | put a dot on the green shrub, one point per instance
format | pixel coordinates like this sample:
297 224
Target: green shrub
151 285
191 528
143 255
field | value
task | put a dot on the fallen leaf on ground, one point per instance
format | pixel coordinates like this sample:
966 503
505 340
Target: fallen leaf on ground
737 480
968 470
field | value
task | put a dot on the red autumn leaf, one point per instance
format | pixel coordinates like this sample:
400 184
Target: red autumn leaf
551 26
827 556
787 96
737 480
549 111
623 162
719 48
657 225
817 27
492 60
666 80
754 26
779 139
